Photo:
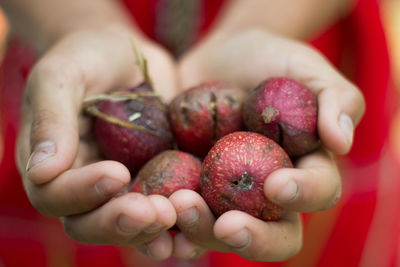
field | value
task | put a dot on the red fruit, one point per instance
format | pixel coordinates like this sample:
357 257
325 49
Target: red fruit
203 114
234 171
285 111
168 172
131 126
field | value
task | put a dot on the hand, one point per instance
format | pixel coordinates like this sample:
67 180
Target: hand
62 171
246 59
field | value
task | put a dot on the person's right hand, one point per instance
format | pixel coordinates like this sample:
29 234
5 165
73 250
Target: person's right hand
246 58
62 171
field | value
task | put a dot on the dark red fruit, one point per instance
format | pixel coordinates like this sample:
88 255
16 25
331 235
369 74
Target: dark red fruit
168 172
285 111
234 171
203 114
131 126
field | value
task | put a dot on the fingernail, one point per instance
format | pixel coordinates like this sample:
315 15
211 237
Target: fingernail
107 187
239 240
144 249
40 153
188 217
288 193
154 228
128 226
347 126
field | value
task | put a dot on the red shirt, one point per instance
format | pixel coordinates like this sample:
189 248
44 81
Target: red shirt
339 237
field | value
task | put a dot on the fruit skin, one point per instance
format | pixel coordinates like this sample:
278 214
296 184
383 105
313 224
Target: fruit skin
285 111
168 172
234 171
203 114
133 147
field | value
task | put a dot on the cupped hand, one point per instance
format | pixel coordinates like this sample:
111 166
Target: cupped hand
246 59
63 174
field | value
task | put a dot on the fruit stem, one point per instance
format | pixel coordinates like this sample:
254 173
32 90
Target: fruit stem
117 96
270 115
142 62
93 110
246 182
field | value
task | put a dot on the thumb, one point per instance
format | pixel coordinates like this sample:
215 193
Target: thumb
341 104
49 136
340 110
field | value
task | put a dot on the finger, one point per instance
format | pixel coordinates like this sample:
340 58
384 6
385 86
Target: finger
254 239
340 110
195 219
162 246
53 103
79 190
313 186
341 104
186 249
159 248
56 88
130 219
254 55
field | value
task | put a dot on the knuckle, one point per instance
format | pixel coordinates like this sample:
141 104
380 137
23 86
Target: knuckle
255 33
56 68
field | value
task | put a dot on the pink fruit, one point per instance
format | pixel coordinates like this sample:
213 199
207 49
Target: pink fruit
168 172
234 171
203 114
131 126
285 111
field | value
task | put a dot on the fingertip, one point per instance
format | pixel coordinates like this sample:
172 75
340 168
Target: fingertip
339 112
41 152
186 249
166 214
159 248
228 223
335 129
281 187
114 169
346 125
186 203
184 199
140 208
231 229
50 158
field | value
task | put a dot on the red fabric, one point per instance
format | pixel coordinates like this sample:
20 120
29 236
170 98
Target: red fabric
364 33
144 14
359 39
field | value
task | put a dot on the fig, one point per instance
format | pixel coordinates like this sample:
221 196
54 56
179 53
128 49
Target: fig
203 114
233 174
285 111
168 172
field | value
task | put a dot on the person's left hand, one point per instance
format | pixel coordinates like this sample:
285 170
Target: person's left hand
314 184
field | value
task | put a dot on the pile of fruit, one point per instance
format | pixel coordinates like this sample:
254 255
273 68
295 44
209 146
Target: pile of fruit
215 138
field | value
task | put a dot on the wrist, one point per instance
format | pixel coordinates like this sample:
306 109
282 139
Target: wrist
44 22
123 30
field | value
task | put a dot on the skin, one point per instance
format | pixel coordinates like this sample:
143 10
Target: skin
85 57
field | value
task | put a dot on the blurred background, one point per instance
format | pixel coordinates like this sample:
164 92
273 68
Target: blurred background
391 16
390 11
